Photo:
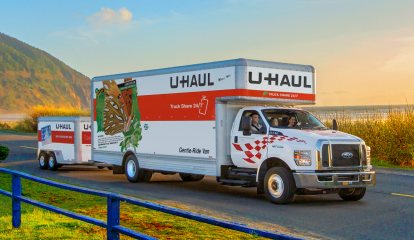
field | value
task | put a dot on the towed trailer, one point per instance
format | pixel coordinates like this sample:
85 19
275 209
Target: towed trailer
65 141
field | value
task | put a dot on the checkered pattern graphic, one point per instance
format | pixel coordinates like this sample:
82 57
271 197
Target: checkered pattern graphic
254 151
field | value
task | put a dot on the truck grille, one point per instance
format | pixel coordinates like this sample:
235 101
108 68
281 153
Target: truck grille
341 156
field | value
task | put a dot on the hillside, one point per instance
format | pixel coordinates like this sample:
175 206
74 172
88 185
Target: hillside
30 77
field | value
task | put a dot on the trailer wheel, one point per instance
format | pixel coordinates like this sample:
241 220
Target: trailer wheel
186 177
43 160
134 173
100 167
110 168
53 165
279 185
352 194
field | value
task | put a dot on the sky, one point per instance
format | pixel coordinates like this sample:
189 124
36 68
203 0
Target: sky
362 50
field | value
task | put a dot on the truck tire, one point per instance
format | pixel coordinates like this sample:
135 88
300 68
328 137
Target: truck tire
53 165
352 194
279 185
134 173
100 167
110 168
43 160
186 177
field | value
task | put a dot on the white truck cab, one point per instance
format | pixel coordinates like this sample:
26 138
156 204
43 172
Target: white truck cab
300 158
223 119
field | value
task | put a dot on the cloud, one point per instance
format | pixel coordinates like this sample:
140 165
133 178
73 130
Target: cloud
110 17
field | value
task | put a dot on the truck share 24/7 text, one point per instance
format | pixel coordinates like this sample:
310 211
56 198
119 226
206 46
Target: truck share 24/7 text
197 120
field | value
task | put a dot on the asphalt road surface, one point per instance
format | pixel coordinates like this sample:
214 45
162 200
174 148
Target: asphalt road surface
386 211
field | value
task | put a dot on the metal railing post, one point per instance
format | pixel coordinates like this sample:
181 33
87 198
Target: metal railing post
112 217
16 203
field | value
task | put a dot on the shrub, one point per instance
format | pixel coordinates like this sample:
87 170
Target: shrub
4 152
29 124
5 126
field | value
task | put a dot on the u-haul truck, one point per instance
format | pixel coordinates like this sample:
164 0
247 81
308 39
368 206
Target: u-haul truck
64 141
198 120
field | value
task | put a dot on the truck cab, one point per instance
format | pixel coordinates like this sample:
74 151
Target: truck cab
292 152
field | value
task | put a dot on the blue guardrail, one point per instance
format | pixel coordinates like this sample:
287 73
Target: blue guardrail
113 203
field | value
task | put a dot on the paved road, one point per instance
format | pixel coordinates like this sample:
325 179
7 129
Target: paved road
379 215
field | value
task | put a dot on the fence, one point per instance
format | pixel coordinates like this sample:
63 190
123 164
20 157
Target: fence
113 213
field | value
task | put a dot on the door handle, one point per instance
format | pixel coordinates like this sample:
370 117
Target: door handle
235 139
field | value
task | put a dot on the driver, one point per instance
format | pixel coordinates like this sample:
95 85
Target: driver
292 122
255 127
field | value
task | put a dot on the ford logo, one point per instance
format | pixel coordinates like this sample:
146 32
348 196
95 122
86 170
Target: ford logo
347 155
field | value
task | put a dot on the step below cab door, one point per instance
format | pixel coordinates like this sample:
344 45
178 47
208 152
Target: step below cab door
247 150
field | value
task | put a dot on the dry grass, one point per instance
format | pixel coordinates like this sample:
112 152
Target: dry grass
29 124
390 134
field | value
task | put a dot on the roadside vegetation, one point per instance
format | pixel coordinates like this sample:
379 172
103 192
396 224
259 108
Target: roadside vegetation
4 152
389 134
42 224
29 123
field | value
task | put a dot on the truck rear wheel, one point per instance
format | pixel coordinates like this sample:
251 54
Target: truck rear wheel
279 185
352 194
43 160
134 173
186 177
53 165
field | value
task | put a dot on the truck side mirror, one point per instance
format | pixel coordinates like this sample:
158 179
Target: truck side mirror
246 123
334 125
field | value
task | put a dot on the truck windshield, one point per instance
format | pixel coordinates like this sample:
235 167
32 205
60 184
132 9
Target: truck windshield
292 118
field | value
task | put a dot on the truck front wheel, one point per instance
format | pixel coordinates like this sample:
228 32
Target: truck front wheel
134 173
279 185
352 194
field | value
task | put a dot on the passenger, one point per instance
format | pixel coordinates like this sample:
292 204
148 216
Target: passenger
255 127
274 122
292 122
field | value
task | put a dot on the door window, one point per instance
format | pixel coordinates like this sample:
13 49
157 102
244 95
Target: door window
255 117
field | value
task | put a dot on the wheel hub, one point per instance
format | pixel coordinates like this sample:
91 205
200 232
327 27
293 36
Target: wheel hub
276 186
42 161
51 162
131 168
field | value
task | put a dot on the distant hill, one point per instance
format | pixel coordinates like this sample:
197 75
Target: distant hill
30 77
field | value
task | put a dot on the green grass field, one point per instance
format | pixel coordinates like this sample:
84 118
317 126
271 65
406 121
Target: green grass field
42 224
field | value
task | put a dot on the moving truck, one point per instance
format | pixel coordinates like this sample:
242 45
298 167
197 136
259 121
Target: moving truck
198 120
64 141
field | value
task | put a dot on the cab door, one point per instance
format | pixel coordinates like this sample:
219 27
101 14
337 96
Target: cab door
248 151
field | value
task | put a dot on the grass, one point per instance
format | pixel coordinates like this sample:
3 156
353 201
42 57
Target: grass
29 124
42 224
389 134
384 164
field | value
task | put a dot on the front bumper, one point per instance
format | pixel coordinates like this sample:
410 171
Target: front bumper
334 180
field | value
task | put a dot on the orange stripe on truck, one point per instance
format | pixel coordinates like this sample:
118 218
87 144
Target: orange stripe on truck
198 106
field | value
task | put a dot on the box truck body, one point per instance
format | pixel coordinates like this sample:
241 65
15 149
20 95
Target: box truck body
192 120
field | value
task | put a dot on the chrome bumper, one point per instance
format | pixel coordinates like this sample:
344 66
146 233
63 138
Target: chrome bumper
334 180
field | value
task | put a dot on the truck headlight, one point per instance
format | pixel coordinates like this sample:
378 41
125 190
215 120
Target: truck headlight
302 157
368 150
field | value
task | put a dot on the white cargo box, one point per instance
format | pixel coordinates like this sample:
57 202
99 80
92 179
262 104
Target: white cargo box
174 119
67 139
